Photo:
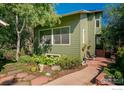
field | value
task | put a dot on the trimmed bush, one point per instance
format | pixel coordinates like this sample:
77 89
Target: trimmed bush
69 62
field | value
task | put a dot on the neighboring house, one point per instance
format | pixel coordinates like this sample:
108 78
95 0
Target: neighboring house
76 30
2 23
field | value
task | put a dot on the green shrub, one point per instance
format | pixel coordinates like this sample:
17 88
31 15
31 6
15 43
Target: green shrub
120 59
118 75
51 60
107 71
69 62
39 59
26 59
64 62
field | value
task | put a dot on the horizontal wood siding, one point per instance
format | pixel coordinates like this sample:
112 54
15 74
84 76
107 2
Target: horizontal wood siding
83 27
91 32
74 48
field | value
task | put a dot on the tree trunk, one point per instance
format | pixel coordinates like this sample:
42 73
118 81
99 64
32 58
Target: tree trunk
18 36
18 46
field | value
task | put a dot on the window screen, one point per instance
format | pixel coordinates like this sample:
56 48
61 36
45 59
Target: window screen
61 35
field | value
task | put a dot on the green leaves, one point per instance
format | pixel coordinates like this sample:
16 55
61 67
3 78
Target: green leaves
39 59
69 62
115 21
64 62
34 14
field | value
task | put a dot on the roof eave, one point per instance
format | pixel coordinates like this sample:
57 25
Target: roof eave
81 12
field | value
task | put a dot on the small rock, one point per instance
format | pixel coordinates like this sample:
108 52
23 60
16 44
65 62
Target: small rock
56 68
41 66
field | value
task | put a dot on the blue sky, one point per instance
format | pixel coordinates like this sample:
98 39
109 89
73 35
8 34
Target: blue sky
63 8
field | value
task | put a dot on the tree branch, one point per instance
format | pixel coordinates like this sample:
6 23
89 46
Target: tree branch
17 23
22 26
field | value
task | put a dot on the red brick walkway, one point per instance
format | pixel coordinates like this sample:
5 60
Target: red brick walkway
22 78
83 77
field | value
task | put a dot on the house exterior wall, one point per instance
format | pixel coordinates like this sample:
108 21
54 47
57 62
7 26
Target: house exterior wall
93 30
74 48
82 32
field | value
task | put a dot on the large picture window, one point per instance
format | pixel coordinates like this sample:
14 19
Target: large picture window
61 35
57 36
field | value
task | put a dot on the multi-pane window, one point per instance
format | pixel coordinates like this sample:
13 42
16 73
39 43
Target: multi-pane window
61 35
55 36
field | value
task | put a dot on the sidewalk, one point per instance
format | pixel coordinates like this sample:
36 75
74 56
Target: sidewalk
83 77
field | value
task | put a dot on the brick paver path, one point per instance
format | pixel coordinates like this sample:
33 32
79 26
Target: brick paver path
83 77
22 78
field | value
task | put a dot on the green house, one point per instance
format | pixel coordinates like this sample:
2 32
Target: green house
76 30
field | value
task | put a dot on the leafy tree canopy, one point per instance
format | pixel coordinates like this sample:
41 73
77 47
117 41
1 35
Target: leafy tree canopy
32 14
114 15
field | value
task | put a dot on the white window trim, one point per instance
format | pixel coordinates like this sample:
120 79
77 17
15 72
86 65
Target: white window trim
52 43
83 36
